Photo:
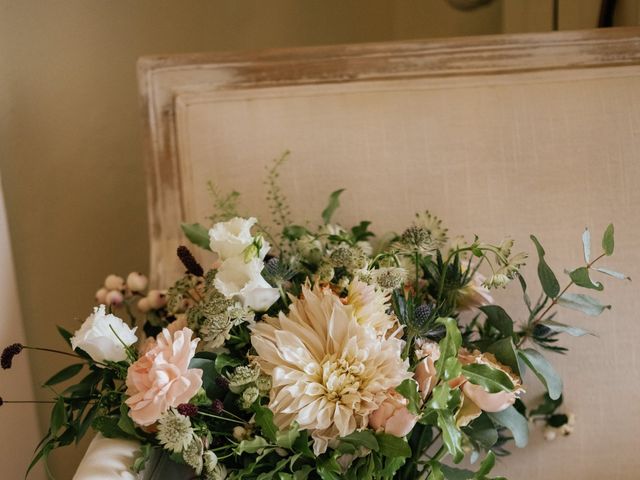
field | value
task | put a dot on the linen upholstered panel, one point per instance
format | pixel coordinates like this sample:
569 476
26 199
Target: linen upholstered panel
508 135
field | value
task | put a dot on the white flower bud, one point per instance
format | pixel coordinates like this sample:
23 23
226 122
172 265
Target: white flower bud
114 282
143 305
137 282
101 295
157 299
114 298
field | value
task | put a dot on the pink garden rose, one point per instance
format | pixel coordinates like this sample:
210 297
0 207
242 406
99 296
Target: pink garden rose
393 417
427 352
161 379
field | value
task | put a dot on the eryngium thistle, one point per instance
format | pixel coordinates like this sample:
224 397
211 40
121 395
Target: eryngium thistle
8 353
189 261
422 313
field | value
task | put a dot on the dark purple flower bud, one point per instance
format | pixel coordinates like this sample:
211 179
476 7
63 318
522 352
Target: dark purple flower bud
189 261
222 382
217 406
187 409
8 354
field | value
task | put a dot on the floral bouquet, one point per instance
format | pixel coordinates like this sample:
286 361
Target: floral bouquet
320 353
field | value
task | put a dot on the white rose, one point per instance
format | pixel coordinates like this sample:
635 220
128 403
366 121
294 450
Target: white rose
231 238
242 281
97 338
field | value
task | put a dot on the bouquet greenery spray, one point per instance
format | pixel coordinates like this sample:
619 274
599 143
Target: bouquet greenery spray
321 353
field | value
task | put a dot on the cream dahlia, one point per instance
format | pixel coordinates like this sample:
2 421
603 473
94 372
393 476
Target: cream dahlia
370 305
329 372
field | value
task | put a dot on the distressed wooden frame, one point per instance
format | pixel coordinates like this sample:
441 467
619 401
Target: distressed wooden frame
163 79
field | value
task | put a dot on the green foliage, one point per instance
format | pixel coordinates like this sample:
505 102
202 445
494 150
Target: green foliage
543 370
276 199
334 203
583 303
409 389
197 234
514 421
493 380
547 278
225 206
607 240
64 374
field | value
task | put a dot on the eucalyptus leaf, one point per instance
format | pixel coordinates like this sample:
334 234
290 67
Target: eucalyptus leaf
607 240
514 421
580 276
543 370
505 351
562 328
586 245
64 374
492 379
612 273
583 303
197 234
334 203
547 278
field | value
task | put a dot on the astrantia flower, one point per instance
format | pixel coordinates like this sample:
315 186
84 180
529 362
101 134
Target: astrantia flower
370 305
329 372
161 378
433 225
102 336
193 454
174 431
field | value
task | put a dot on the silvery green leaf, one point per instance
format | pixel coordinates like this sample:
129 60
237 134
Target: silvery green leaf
586 245
607 240
543 370
561 327
612 273
582 303
580 277
515 422
547 278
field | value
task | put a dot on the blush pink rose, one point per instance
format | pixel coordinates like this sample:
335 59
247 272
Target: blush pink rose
427 352
393 417
161 378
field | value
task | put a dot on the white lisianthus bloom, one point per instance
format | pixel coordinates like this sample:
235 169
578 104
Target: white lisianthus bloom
242 281
102 336
230 239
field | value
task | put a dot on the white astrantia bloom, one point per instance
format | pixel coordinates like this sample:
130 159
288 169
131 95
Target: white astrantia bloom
104 336
174 431
231 238
329 372
242 281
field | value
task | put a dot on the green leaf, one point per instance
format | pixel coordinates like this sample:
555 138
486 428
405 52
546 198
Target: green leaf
197 234
334 203
586 245
607 240
436 471
58 416
543 370
511 419
562 328
223 360
499 319
294 232
65 334
486 466
483 431
580 277
328 468
286 438
209 374
449 345
125 423
451 436
251 446
505 352
392 446
451 473
491 379
64 374
547 406
366 438
549 282
409 390
264 419
582 303
614 274
108 426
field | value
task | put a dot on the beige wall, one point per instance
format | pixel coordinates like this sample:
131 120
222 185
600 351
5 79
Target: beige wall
70 147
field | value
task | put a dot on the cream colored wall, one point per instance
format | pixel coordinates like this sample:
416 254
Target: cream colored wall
70 147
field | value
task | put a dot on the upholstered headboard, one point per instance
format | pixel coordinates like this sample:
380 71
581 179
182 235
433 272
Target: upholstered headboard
498 135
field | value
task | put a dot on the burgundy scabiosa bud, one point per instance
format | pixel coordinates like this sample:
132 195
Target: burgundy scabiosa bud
217 406
8 353
189 261
188 409
1 401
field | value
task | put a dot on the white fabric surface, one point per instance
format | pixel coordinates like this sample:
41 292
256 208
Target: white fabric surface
108 458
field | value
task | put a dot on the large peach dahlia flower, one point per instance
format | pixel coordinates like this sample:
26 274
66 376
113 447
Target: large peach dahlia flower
329 372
